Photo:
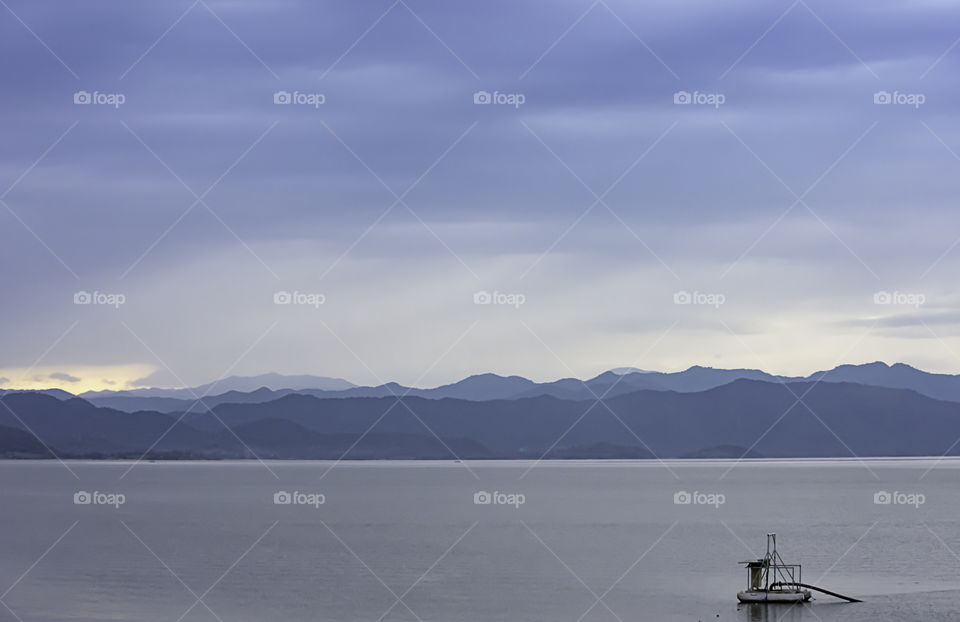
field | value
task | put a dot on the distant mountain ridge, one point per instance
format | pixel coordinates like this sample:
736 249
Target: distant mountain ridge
743 417
234 383
60 394
482 387
896 376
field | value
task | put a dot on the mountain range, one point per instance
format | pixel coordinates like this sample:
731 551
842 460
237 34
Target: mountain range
482 387
852 410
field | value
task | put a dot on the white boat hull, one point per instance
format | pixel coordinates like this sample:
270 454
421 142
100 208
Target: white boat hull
773 596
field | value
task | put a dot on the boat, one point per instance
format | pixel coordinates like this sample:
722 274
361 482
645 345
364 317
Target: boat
771 580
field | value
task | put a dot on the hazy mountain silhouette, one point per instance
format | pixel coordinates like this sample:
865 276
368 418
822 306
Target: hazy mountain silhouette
870 420
898 376
478 387
133 403
698 378
483 387
233 383
60 394
846 419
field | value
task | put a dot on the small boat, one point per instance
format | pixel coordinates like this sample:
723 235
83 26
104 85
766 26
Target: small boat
770 580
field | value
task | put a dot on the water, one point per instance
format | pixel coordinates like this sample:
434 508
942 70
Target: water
405 541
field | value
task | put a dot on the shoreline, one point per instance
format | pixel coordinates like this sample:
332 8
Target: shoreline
839 460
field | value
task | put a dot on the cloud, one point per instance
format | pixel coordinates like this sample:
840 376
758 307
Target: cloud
914 319
295 208
64 377
158 378
4 381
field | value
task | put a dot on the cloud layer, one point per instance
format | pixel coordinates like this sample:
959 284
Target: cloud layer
151 161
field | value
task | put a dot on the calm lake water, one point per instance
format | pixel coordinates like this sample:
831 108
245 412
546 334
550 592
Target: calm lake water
406 541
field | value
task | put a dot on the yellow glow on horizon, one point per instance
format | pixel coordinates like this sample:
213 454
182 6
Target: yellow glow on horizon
74 378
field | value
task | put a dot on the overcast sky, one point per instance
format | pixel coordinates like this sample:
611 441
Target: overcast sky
804 224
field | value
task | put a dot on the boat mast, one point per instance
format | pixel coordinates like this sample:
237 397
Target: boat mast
771 558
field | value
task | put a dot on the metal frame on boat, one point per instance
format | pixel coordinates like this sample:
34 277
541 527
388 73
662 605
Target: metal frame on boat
771 580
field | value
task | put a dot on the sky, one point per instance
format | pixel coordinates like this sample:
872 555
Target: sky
417 191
